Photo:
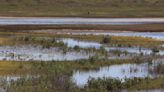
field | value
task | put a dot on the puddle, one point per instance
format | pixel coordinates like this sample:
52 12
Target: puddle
27 53
87 44
115 71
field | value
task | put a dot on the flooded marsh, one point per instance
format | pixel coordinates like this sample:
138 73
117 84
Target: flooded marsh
120 72
118 62
37 53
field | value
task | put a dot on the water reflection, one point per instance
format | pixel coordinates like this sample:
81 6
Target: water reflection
28 52
144 51
115 71
87 44
82 44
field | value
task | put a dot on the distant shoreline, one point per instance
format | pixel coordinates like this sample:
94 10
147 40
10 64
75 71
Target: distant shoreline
69 23
106 28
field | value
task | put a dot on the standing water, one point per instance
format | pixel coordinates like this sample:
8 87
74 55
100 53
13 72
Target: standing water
115 71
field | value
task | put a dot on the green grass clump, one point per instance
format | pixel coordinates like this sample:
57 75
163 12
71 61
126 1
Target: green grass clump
45 42
115 85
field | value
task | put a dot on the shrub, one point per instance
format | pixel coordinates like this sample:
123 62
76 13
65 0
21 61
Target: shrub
76 48
106 39
155 50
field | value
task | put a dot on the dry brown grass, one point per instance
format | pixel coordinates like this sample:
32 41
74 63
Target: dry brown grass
3 40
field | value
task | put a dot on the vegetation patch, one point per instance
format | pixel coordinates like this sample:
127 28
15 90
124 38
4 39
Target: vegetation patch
81 8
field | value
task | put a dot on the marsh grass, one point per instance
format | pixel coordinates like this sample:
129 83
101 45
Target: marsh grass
5 41
12 68
113 85
56 76
159 69
7 67
117 40
45 42
113 40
